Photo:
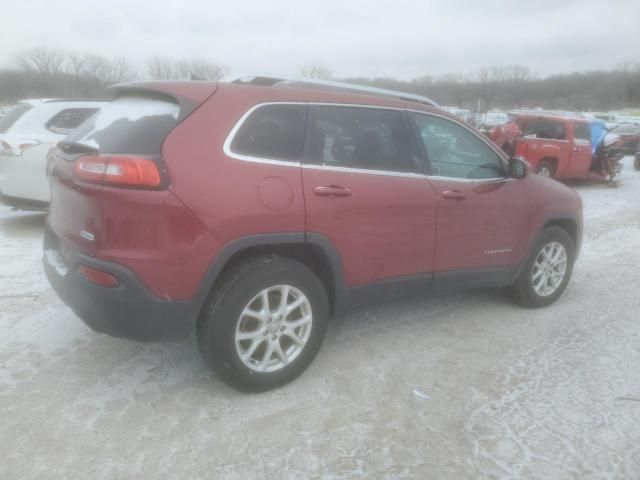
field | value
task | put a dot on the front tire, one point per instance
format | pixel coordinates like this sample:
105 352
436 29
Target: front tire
264 324
547 271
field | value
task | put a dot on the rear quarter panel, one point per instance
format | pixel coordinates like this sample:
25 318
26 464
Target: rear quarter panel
156 236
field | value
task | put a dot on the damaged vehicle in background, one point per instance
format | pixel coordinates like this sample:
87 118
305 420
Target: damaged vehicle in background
562 147
27 132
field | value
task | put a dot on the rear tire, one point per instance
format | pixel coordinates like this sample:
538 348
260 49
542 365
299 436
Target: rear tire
546 169
539 283
247 333
636 162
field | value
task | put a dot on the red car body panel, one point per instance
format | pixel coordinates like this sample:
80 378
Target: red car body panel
487 228
384 229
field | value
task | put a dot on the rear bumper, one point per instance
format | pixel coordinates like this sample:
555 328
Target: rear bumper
127 310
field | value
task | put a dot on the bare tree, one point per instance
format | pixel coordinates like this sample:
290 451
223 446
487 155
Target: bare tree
200 69
489 79
53 72
631 79
118 70
160 68
76 63
45 65
163 68
315 71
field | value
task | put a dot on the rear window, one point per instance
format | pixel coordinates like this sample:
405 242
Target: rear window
66 121
273 131
13 115
134 125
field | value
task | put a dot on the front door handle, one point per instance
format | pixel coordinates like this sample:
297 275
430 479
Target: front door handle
332 191
453 195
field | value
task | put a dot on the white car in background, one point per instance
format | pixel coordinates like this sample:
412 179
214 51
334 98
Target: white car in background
493 119
463 113
27 132
4 109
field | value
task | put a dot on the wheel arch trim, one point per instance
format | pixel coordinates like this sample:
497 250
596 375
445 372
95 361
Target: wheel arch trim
549 219
315 240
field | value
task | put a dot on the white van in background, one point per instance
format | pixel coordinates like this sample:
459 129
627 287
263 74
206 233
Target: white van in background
27 132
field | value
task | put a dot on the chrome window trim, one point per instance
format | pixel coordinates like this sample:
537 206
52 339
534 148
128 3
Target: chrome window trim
500 153
438 178
386 173
226 147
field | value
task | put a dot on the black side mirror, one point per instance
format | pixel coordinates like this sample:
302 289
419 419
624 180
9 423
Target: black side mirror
517 168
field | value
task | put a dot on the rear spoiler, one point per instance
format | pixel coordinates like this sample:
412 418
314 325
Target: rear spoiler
188 94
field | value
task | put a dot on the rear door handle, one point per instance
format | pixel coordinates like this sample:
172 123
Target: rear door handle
332 191
453 195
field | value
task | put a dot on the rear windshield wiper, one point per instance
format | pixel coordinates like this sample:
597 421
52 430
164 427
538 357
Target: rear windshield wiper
76 147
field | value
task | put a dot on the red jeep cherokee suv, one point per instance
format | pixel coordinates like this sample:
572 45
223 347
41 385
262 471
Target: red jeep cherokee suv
251 211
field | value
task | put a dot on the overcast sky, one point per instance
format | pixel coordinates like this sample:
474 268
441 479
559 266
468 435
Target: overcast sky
399 38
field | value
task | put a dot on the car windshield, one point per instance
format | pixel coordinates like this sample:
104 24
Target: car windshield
13 115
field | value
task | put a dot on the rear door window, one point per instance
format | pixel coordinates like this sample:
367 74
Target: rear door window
66 121
364 138
272 132
129 124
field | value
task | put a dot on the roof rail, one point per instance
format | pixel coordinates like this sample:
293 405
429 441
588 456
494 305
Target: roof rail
331 85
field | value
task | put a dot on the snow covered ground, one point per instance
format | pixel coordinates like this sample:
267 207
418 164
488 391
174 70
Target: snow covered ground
466 386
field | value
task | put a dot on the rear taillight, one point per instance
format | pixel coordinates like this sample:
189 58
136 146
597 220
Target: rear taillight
125 171
98 277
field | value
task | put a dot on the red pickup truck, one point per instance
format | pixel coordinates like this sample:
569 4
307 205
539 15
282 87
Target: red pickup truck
556 147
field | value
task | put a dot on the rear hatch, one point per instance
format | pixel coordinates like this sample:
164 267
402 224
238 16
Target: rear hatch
125 134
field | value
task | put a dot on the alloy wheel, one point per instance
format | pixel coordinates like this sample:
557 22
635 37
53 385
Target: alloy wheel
549 269
273 328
